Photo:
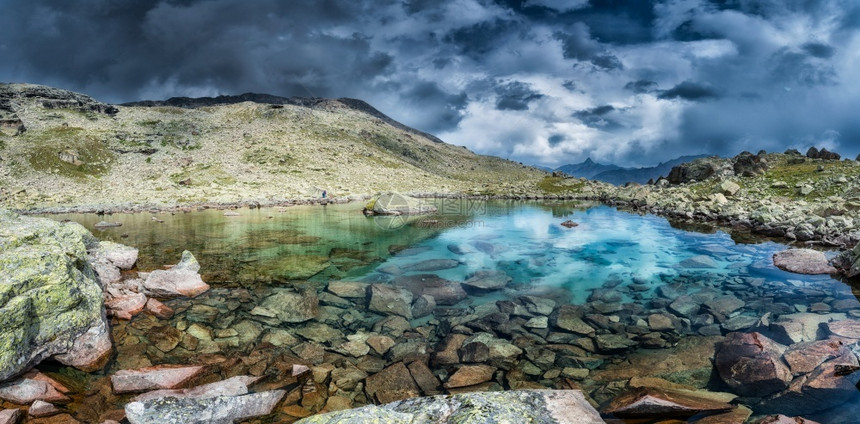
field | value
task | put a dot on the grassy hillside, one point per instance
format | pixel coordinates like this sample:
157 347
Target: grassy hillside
73 153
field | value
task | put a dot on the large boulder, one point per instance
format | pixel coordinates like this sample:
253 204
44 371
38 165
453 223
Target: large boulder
50 300
397 204
751 364
515 406
697 170
747 164
848 262
803 261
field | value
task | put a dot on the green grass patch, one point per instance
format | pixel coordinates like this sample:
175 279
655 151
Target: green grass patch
269 158
47 146
149 123
179 133
559 185
807 173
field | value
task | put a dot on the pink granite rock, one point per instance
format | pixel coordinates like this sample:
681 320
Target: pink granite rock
25 391
43 409
126 306
153 378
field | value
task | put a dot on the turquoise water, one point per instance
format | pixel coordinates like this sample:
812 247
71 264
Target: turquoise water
618 266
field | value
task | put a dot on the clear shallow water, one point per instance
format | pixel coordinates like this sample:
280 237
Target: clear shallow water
620 267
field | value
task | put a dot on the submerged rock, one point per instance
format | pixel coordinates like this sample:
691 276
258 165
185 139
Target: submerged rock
153 378
661 403
803 261
469 375
33 387
432 265
389 300
516 406
291 307
42 409
51 303
486 281
444 292
11 416
393 383
235 386
751 364
699 261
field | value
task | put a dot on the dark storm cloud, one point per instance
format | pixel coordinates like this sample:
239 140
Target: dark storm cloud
540 81
578 44
515 96
598 117
819 50
481 38
641 86
448 108
796 67
688 90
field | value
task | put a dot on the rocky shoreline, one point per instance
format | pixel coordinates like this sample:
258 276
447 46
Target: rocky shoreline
296 351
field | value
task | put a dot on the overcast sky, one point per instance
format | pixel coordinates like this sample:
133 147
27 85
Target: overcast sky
540 81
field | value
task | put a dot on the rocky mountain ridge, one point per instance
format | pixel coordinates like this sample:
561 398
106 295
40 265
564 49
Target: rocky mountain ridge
617 175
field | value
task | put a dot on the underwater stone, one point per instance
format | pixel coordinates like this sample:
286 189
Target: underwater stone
291 307
387 299
486 281
391 384
751 364
700 261
153 378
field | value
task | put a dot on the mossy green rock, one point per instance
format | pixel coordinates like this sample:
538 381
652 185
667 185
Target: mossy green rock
49 296
520 406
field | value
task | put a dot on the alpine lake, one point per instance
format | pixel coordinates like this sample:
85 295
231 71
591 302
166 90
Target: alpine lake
620 296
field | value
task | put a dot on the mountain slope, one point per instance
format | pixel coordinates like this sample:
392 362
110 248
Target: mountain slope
72 149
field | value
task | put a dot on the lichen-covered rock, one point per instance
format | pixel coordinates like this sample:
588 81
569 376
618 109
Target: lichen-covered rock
208 410
848 262
516 406
397 204
50 301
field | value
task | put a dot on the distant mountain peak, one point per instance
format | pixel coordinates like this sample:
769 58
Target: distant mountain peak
617 175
